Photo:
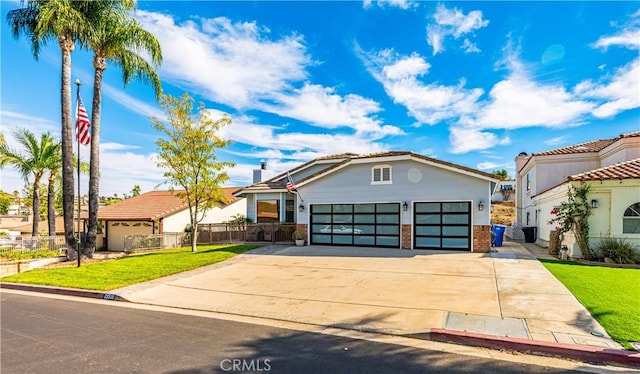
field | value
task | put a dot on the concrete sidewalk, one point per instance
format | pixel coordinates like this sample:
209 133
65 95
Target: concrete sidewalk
506 293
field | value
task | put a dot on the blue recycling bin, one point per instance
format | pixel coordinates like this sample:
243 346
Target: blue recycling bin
498 234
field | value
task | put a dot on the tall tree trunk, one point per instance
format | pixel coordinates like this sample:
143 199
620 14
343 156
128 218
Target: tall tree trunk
99 65
51 208
67 45
194 238
36 206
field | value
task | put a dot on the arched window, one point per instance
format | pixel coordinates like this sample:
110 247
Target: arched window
631 220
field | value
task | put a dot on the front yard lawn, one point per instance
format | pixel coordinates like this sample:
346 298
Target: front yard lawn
112 274
611 295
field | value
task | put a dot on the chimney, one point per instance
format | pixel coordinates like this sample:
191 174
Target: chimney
258 174
522 159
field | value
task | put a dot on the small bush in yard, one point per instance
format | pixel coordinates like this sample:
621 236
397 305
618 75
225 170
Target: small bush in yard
16 255
619 250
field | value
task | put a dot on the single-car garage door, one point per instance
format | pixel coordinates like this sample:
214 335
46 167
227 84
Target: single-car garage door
442 225
374 225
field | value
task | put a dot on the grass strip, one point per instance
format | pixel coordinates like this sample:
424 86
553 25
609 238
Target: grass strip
125 271
611 295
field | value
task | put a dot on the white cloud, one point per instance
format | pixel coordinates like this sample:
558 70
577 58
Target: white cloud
464 140
240 64
428 103
521 102
620 93
233 63
628 38
402 4
454 23
14 120
132 103
557 140
487 165
320 106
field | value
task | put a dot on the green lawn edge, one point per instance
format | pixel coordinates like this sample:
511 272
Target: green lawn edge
129 270
610 294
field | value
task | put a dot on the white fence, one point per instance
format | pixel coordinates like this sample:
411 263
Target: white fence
133 243
27 244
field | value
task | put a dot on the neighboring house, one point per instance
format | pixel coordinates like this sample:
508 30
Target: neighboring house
157 212
505 191
26 229
390 199
610 166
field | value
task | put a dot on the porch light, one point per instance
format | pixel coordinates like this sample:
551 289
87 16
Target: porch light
301 208
594 203
405 206
481 206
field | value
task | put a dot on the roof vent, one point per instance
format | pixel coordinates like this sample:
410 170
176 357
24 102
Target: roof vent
263 165
522 154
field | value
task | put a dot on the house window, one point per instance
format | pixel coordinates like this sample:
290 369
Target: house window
381 174
631 220
268 211
528 181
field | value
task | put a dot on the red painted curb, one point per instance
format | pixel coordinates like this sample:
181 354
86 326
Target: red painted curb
58 290
578 352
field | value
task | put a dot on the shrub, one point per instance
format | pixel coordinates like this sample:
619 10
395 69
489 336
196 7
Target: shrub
17 255
618 249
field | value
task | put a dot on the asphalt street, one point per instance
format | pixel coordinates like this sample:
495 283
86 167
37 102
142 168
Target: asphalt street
44 335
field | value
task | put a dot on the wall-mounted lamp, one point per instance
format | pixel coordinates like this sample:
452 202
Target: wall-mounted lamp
405 206
594 203
301 207
481 206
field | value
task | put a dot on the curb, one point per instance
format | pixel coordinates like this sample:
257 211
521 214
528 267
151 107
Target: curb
577 352
536 347
61 291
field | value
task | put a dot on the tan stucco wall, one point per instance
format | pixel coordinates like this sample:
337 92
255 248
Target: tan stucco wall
613 197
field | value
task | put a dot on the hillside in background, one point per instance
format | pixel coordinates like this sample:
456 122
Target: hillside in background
503 213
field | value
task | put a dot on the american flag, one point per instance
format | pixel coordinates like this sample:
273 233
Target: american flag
290 185
83 135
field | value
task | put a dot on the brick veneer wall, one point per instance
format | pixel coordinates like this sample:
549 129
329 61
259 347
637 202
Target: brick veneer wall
406 236
302 228
481 238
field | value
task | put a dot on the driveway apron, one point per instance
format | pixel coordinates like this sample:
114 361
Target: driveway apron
505 293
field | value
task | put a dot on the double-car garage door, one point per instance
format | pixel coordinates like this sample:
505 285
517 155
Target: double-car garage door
436 225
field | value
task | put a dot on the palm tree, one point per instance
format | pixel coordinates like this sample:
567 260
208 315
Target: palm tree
118 39
39 157
54 182
63 20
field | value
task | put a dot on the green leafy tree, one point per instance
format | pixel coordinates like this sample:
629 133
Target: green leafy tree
501 174
5 201
135 191
187 153
117 39
37 158
573 215
64 21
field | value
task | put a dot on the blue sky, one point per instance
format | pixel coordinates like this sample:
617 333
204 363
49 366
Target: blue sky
473 83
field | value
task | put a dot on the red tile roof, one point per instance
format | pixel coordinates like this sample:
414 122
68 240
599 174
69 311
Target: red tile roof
592 146
151 206
622 170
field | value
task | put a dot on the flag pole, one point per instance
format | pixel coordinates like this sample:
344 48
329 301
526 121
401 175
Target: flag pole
78 83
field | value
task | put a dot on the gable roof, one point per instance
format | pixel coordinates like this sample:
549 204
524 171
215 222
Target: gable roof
592 146
153 205
622 170
342 160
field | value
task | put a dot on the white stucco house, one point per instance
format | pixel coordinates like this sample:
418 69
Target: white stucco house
504 191
158 212
391 199
610 166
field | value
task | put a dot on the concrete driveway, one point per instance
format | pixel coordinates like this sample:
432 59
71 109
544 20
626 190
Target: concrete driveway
508 293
